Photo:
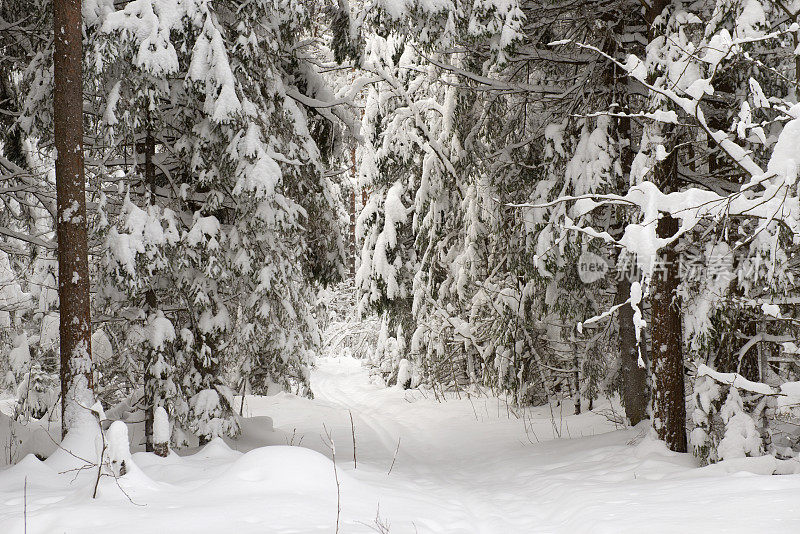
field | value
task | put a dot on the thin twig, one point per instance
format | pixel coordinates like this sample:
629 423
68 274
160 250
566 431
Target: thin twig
353 430
395 457
332 446
102 455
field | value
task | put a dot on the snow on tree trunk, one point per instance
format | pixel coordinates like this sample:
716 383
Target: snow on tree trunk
151 357
73 268
160 432
151 301
669 410
118 454
634 376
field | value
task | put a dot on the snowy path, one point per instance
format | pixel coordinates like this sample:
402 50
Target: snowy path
463 466
466 466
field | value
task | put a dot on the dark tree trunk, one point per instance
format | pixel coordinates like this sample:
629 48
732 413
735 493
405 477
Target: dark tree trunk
73 265
151 305
634 377
577 377
161 449
669 409
148 421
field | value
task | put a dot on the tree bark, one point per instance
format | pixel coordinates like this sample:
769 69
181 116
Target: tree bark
576 376
73 264
150 395
669 408
634 377
668 396
151 305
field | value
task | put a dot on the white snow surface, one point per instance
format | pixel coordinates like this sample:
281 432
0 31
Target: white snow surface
160 425
463 466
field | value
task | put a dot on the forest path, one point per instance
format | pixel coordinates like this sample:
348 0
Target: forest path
464 466
468 465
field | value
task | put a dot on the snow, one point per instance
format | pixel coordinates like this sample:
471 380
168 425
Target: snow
160 331
741 436
243 89
20 356
759 98
109 117
49 335
752 21
394 215
149 24
210 66
161 431
773 310
261 177
203 226
93 10
11 295
82 447
21 440
462 466
404 373
736 380
784 161
714 283
102 350
118 451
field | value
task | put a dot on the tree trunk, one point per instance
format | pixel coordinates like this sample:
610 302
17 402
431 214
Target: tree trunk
73 264
148 421
634 377
577 376
151 305
150 396
669 408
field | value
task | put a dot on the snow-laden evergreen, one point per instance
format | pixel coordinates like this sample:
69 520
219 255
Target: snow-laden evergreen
348 225
214 211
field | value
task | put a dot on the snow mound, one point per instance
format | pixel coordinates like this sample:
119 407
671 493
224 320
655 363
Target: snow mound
30 468
757 465
82 445
294 469
216 449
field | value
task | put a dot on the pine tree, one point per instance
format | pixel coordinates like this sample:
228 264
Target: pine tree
238 221
73 259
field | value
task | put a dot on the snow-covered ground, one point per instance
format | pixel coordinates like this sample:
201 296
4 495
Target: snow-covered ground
462 466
